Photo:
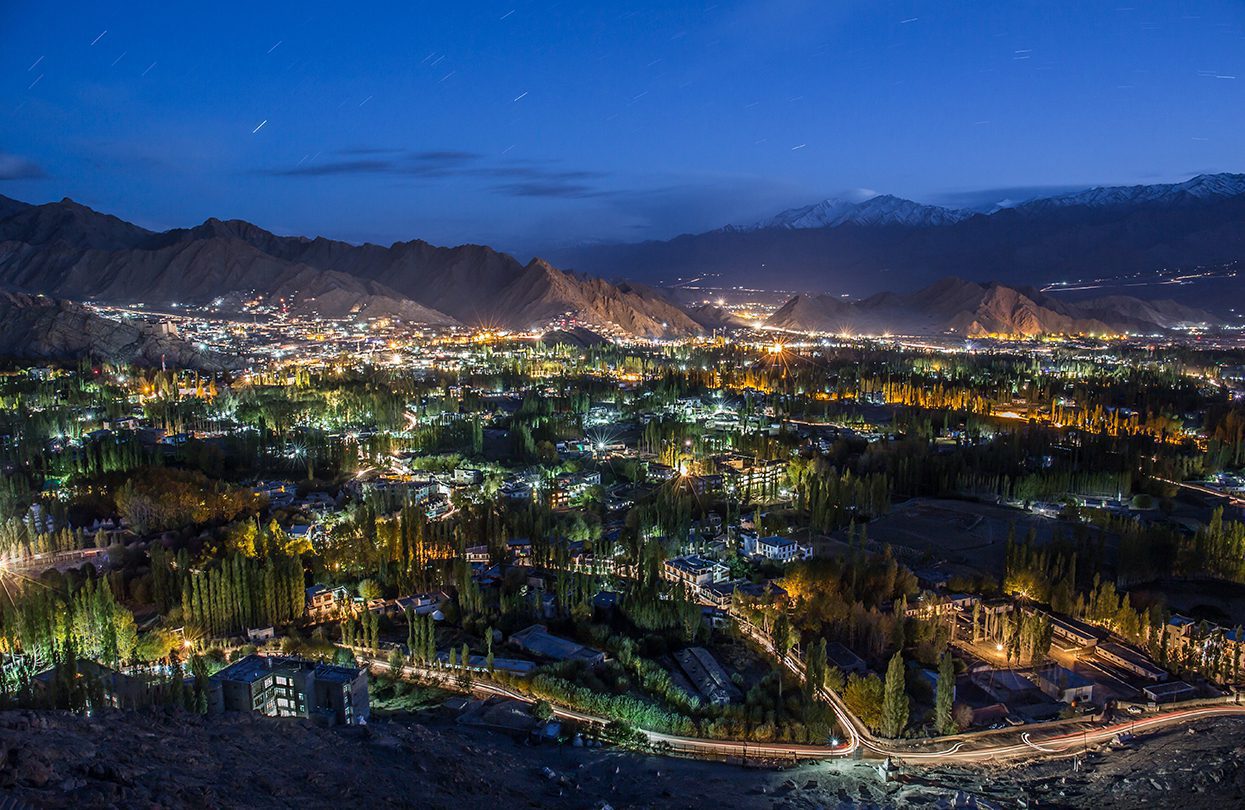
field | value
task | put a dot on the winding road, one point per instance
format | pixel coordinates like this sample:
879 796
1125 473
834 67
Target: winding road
979 747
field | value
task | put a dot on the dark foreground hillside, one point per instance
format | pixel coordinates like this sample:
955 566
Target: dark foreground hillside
178 760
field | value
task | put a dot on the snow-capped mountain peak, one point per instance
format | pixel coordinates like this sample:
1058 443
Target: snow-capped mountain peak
1197 189
865 208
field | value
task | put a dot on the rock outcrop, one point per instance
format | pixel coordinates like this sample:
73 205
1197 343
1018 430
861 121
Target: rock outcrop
970 309
45 329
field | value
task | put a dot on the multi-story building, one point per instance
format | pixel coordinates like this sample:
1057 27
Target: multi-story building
292 687
704 484
695 571
323 601
569 486
749 476
1202 640
466 476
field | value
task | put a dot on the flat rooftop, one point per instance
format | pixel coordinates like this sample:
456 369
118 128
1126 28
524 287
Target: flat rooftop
1159 690
1064 677
539 640
254 667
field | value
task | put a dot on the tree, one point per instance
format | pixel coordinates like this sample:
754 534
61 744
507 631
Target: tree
156 645
863 696
894 699
963 715
784 639
944 697
783 636
488 646
198 666
815 670
834 680
370 589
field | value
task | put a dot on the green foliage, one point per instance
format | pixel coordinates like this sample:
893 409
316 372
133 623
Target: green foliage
157 645
153 501
894 699
944 697
44 624
237 592
370 589
864 696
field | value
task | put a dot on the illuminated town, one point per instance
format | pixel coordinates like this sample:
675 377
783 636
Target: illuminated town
622 405
834 543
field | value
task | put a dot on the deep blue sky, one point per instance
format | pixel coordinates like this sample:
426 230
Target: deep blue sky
524 124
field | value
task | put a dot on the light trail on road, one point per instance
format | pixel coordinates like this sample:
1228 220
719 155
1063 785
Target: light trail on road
858 736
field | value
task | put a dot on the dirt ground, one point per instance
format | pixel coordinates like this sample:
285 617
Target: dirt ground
174 760
972 534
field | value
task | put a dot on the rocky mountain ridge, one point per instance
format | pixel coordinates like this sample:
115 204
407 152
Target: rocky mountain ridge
877 210
70 251
971 309
44 329
1132 233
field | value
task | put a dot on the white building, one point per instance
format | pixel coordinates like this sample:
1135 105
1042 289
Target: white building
695 571
781 549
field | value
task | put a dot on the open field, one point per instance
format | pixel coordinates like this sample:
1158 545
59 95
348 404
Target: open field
1214 600
965 532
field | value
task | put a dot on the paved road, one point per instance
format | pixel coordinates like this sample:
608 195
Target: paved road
977 748
61 560
1232 500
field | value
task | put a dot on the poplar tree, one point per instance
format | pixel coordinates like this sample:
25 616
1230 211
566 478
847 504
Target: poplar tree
894 699
944 698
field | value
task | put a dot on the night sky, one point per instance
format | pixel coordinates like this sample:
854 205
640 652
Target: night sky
526 124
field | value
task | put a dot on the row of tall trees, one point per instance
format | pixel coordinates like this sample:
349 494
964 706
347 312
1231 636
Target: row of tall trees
237 592
42 623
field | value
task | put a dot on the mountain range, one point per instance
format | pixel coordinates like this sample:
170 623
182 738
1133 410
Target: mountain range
71 253
67 250
973 309
861 245
871 210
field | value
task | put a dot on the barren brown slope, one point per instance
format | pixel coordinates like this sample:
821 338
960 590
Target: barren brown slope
68 250
197 272
972 309
40 328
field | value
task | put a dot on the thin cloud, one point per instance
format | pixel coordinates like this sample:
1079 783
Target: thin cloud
1003 197
335 167
446 156
369 150
16 167
555 189
527 178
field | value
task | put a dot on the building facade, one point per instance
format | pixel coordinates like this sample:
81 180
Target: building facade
278 686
